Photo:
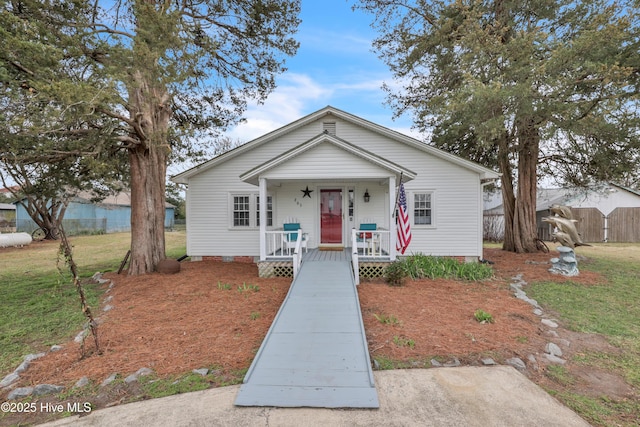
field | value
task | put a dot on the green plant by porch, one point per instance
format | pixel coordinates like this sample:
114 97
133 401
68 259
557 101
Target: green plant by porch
420 266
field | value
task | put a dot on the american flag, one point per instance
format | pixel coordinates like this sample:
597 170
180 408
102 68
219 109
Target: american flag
402 222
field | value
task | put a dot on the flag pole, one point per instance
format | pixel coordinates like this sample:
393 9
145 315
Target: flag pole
395 207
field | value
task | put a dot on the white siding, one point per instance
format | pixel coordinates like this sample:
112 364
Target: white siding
209 233
456 201
292 204
456 230
327 161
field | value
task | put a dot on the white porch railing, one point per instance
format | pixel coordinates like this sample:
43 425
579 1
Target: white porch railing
354 258
369 245
297 255
280 247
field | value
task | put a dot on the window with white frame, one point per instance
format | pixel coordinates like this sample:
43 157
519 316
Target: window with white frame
245 210
422 208
241 211
269 211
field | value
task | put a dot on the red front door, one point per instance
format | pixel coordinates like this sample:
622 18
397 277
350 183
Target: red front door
331 216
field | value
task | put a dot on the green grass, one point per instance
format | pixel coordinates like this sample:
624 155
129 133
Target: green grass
560 374
153 387
610 308
601 411
404 342
39 305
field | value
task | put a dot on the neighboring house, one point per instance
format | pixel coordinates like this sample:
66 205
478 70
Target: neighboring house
7 210
330 172
7 217
111 215
609 213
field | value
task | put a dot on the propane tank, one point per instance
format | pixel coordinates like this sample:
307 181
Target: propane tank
14 239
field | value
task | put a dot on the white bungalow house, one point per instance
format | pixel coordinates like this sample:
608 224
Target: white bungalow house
330 172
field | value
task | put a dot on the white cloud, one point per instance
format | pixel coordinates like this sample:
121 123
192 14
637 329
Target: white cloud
288 102
373 85
299 94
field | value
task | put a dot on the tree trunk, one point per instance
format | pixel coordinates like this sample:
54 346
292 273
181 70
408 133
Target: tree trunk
521 231
149 107
47 214
508 196
148 169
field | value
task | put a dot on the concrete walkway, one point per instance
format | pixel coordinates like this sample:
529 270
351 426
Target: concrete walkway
465 396
315 353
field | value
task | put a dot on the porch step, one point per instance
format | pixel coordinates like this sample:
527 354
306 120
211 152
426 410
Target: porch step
315 353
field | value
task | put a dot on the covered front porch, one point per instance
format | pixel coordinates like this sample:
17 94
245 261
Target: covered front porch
353 219
326 189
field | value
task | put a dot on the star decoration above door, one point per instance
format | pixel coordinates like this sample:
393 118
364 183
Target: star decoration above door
307 192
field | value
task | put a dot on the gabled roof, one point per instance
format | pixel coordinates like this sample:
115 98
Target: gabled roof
551 196
252 175
630 190
485 173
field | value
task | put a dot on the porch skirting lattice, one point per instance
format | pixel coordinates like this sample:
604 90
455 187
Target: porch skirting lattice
368 269
275 269
372 270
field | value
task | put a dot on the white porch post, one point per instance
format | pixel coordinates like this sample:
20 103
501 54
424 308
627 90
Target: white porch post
263 218
392 218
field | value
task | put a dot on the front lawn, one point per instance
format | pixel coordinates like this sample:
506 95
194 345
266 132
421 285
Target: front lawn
39 306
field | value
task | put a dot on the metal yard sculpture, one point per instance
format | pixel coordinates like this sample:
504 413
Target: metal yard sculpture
567 235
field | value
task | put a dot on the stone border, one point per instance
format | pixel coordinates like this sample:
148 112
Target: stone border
8 383
552 351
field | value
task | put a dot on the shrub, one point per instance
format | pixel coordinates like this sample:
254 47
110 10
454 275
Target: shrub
395 274
420 266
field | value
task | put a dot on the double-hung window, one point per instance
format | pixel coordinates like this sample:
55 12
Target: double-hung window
241 211
269 211
245 211
422 208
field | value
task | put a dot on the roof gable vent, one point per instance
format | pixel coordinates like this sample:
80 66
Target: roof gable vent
329 127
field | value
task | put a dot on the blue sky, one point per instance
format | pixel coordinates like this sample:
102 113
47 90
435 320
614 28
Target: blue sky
335 65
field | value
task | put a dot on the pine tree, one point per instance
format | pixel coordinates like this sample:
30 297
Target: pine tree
148 78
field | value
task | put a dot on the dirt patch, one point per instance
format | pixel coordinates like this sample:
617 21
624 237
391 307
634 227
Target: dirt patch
597 382
215 315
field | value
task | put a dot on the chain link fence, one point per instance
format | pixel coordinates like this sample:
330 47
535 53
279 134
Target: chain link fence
73 227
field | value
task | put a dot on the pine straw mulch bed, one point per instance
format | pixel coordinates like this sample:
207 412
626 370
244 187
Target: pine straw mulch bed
215 315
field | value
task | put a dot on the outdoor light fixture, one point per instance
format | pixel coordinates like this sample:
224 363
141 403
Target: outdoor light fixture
367 197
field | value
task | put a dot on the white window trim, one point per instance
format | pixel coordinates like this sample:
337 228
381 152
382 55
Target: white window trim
411 206
256 210
253 211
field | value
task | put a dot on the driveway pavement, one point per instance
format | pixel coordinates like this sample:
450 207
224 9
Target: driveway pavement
464 396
